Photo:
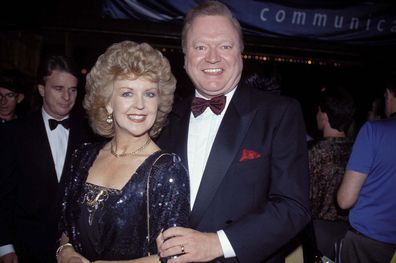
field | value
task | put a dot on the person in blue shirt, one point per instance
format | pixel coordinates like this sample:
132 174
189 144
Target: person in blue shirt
368 188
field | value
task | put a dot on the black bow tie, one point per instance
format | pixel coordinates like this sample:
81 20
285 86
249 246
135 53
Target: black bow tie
54 123
216 104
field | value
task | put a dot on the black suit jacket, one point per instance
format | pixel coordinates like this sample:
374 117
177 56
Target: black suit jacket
30 195
261 203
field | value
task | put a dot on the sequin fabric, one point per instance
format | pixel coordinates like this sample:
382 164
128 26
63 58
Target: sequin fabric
110 224
95 199
328 158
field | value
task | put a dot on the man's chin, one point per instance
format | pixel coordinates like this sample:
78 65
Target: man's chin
211 91
64 113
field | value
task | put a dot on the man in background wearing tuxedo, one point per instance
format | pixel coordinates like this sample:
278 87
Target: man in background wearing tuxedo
34 152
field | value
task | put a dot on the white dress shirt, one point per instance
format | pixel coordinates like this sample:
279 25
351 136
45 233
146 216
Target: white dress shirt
58 139
201 135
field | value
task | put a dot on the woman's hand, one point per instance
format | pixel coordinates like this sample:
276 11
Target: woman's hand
159 241
69 255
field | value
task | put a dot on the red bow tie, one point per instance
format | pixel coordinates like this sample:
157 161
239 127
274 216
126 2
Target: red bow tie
216 104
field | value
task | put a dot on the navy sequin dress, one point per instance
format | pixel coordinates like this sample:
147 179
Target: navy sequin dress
110 224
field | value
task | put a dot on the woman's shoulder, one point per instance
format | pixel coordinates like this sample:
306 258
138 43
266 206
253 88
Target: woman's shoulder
165 157
167 164
90 146
88 149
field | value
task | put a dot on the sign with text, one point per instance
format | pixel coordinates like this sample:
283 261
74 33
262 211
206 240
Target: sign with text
367 23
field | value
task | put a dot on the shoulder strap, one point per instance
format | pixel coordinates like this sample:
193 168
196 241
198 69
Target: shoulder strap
148 199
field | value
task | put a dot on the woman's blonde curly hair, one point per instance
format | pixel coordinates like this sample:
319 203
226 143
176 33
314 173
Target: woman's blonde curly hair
127 59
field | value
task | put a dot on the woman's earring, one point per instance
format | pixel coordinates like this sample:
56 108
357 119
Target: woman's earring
109 119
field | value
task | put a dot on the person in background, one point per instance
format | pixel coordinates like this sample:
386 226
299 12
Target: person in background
268 82
368 189
245 151
390 97
327 157
10 96
122 192
34 153
377 110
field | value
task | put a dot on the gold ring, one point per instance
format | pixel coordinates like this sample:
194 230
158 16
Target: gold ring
182 249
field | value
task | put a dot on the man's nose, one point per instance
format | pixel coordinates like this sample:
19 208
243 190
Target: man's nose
213 55
66 95
3 99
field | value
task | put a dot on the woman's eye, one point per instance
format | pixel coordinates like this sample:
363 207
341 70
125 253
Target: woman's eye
126 94
151 94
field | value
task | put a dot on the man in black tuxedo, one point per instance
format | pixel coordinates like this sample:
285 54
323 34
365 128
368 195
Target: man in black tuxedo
35 152
247 161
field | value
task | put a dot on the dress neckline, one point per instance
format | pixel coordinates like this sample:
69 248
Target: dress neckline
136 173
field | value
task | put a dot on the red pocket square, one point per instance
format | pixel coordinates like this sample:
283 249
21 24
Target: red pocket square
249 155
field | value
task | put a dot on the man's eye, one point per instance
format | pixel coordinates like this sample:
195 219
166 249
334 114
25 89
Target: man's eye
200 48
226 47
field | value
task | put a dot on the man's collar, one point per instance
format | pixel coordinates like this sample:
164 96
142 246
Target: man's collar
228 95
46 115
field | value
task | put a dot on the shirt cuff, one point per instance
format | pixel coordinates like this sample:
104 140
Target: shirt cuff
228 251
6 249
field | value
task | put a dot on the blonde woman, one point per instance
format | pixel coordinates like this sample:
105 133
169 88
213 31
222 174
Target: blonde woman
122 192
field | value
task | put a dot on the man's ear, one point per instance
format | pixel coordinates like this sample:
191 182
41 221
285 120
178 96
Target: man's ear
41 90
325 117
390 93
20 97
387 95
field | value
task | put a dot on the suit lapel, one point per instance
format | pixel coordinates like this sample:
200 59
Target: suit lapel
181 130
42 147
72 142
224 150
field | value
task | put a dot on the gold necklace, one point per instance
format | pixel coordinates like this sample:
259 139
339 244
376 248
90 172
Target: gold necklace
117 155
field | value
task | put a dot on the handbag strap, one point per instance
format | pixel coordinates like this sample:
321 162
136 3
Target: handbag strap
148 201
